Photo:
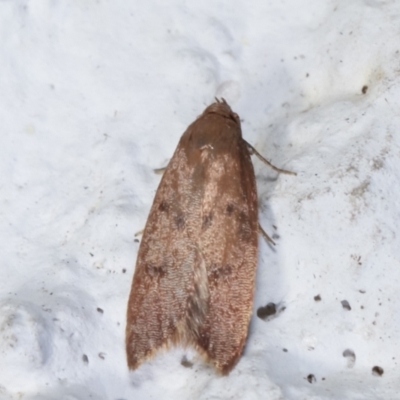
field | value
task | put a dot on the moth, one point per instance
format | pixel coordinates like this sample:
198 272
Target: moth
194 278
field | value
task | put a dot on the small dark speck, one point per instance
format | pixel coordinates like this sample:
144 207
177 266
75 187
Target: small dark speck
85 359
275 236
229 209
311 378
364 89
346 305
123 270
377 371
362 291
100 310
317 297
91 254
285 350
307 75
180 221
265 312
102 355
136 240
350 356
186 363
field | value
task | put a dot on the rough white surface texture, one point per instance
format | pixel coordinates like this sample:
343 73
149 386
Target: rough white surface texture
95 94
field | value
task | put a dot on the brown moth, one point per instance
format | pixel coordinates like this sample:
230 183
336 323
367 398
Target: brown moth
195 271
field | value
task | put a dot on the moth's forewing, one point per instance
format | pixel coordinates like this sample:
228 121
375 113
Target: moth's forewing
195 271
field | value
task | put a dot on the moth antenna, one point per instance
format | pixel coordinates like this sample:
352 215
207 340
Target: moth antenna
265 235
253 151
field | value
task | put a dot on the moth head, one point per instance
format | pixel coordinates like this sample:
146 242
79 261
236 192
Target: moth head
222 108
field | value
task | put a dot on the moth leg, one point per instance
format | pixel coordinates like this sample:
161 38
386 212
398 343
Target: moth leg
253 151
159 171
265 235
138 233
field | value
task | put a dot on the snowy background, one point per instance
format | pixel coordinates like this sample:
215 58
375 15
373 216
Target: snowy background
95 94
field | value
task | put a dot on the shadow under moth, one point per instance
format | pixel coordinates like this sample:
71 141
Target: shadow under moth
194 278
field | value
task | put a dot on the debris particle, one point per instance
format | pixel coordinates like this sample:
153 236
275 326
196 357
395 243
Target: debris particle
377 371
186 363
351 357
267 311
346 305
311 378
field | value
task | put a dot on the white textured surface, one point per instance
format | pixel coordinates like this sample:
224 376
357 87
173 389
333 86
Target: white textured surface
95 94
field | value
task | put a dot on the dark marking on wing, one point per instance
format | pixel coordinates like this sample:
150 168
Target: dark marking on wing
230 208
180 221
204 340
207 220
155 271
218 273
245 231
164 206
